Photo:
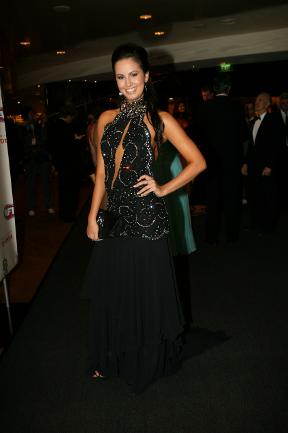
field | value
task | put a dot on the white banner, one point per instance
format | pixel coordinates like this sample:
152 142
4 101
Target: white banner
8 242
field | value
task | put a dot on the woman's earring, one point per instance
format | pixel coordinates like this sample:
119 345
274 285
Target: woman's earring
120 93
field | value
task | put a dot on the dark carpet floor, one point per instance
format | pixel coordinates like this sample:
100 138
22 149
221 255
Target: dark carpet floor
234 377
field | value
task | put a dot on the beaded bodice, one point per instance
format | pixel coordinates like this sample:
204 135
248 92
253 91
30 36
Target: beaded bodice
143 217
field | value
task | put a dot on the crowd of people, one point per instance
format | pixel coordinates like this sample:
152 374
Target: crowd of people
246 161
60 147
245 146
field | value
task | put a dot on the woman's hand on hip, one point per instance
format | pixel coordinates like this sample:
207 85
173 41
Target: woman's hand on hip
148 185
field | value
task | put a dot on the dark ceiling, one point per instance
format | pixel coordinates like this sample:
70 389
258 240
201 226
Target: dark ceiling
49 30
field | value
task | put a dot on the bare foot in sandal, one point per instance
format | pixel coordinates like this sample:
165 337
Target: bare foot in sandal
97 375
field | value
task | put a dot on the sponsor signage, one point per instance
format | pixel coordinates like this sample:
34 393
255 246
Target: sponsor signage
8 242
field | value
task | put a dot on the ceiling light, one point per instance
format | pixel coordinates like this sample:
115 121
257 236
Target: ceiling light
25 43
61 52
61 8
159 33
145 17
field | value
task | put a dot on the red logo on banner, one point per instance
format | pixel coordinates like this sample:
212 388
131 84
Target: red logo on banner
8 211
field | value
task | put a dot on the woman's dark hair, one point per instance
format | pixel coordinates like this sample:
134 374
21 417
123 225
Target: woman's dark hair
139 54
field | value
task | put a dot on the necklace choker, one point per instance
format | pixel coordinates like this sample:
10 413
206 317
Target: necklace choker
133 108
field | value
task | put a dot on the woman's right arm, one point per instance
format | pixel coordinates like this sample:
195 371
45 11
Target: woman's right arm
99 188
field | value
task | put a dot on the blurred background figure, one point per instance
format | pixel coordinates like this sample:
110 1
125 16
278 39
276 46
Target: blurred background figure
67 157
36 159
167 166
249 112
171 107
249 116
207 92
261 166
283 159
223 130
198 187
181 114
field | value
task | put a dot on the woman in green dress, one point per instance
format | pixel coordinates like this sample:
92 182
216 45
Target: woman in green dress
167 166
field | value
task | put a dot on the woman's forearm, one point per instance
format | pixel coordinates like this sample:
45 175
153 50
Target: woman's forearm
97 197
187 174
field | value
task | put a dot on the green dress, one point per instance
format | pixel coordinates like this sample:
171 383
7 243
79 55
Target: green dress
167 166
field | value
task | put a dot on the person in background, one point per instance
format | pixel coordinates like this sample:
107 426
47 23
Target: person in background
198 187
283 158
37 160
223 130
167 166
249 108
182 116
207 93
171 107
67 160
261 165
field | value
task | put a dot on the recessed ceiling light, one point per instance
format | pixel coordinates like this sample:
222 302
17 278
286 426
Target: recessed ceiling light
61 52
25 43
61 8
145 17
159 33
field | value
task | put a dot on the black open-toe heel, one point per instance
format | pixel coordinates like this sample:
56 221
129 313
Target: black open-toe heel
98 376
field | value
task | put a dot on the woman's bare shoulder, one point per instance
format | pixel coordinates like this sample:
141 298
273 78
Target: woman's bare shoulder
168 120
108 116
166 117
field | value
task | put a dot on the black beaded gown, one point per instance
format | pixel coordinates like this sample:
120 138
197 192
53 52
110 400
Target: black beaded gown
136 320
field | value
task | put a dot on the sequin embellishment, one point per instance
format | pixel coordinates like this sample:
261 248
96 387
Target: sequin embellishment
142 217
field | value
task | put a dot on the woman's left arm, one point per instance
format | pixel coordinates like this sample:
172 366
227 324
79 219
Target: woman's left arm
187 149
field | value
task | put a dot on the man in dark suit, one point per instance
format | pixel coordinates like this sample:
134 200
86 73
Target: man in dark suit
261 166
223 130
66 158
283 160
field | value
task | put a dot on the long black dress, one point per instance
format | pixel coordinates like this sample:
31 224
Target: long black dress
136 319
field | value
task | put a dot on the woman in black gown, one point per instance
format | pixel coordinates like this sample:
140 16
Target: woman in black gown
135 314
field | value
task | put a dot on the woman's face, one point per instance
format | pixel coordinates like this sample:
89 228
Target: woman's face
181 107
130 78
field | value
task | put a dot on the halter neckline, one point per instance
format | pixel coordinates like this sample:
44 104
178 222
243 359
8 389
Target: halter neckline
133 108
